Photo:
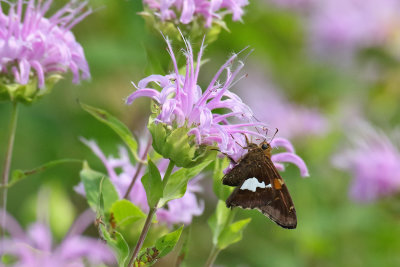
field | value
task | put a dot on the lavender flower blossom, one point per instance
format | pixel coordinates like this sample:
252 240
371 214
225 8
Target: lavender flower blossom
183 104
35 47
179 210
373 161
350 25
186 11
36 248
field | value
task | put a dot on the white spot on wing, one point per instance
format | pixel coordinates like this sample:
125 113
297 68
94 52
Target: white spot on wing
252 184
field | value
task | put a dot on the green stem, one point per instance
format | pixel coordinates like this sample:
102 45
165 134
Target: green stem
149 218
7 164
215 250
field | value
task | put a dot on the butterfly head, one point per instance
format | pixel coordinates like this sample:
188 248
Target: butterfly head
266 148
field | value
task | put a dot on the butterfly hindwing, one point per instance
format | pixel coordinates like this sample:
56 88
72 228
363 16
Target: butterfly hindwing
259 186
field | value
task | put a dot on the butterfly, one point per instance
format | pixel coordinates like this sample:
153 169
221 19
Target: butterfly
260 186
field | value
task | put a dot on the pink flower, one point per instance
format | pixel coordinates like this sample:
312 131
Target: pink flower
179 210
182 102
349 25
373 160
35 248
185 11
33 45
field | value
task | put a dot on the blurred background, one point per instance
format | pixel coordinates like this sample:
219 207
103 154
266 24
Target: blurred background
315 70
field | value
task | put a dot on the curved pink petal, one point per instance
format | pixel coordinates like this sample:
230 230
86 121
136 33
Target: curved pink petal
152 93
292 158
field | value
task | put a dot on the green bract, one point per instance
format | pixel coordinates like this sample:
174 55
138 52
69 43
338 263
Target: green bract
176 145
26 93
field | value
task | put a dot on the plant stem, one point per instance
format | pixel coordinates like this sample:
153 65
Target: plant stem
215 250
213 256
149 218
7 163
138 169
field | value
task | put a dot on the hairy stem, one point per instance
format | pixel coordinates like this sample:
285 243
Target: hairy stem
138 169
215 250
7 163
149 218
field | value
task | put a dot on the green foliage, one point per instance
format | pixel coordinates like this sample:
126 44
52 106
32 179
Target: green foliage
177 182
125 212
99 189
116 125
18 175
152 184
224 231
163 246
220 190
117 242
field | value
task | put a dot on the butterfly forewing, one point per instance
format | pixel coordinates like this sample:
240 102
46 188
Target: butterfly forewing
259 186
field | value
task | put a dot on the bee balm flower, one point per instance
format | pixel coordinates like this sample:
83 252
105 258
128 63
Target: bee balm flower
373 161
35 50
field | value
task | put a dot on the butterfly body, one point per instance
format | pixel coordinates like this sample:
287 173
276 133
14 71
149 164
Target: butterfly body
260 186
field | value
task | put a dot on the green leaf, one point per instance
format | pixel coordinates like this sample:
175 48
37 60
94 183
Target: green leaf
167 243
232 234
177 182
152 183
125 212
118 244
18 175
96 189
219 220
220 190
116 125
175 187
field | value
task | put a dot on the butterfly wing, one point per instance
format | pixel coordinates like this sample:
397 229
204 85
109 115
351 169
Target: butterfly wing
264 189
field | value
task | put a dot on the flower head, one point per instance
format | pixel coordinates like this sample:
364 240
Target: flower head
186 11
183 105
373 161
36 248
179 210
35 48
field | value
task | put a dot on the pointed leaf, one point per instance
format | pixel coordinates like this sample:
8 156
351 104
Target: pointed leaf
218 221
116 125
177 182
232 233
152 183
125 212
167 243
92 182
118 244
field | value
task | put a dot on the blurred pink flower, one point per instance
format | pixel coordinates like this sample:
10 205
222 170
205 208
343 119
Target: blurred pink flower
35 248
185 11
349 25
32 45
373 160
179 210
270 105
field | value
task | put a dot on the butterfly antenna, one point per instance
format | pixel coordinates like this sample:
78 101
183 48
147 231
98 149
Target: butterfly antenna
274 135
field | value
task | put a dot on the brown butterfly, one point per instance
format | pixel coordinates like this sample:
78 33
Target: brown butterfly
260 186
